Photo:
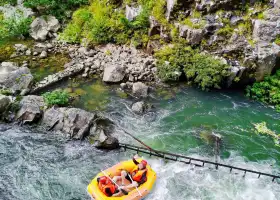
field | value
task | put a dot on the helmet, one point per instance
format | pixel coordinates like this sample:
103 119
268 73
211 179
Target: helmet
144 163
103 179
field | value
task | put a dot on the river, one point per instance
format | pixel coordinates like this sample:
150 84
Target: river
45 166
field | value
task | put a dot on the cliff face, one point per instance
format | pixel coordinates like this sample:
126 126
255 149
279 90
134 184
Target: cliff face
245 33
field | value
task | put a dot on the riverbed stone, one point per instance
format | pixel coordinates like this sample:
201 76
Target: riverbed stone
139 89
113 73
31 109
14 78
44 54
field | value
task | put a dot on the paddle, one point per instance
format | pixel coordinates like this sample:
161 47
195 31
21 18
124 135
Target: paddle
135 186
123 191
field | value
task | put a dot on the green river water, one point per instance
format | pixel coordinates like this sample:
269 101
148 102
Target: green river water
39 165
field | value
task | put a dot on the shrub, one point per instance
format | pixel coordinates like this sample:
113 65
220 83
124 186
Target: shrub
189 23
57 8
57 97
267 91
277 40
11 2
200 69
225 31
100 23
14 26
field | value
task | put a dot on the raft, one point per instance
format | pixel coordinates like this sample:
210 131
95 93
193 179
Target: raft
144 189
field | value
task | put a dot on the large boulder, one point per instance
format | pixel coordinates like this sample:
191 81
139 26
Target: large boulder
193 36
266 30
267 57
14 78
31 109
139 89
4 103
73 122
41 27
113 73
101 134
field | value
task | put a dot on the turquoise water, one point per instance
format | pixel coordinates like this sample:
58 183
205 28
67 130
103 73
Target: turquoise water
47 166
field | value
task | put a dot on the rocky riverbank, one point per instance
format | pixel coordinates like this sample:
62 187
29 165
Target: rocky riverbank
215 29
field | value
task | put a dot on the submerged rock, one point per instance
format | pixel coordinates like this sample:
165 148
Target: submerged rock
14 78
139 89
140 107
31 109
102 132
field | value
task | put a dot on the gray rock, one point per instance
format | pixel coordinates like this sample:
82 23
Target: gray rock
4 103
44 54
234 20
110 143
140 107
123 86
31 109
265 30
14 78
73 122
194 36
235 72
131 13
277 3
113 73
39 29
267 54
53 24
140 89
40 47
28 52
20 48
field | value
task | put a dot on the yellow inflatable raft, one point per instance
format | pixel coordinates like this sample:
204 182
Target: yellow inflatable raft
144 189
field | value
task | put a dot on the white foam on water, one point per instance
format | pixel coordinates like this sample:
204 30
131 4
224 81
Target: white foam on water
184 182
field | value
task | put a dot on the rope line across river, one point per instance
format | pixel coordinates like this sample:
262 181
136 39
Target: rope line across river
182 158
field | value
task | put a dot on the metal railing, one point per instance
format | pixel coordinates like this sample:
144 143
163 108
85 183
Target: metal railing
190 160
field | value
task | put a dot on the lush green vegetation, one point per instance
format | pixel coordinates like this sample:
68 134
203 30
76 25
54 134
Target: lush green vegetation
277 40
101 23
200 69
58 8
267 91
57 97
14 26
11 2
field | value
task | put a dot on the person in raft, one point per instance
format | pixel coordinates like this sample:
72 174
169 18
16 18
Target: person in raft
138 176
107 186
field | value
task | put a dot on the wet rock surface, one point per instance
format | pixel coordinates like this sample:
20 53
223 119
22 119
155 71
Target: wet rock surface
31 109
14 78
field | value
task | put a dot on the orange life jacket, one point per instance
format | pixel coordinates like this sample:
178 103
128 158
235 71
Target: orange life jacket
137 174
108 186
